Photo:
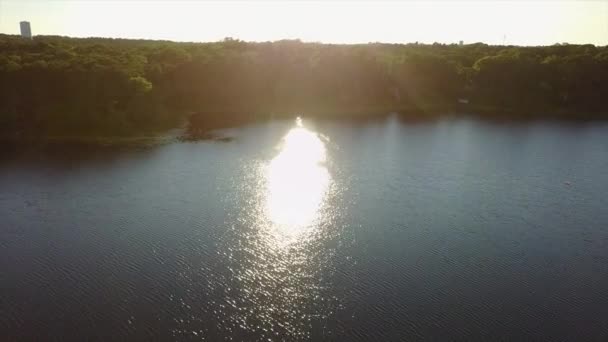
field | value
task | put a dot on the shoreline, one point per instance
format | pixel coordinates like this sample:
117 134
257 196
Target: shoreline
182 134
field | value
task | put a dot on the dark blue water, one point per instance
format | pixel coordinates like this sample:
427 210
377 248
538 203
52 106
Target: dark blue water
381 230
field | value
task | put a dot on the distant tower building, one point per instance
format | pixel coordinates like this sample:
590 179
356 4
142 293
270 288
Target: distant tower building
461 43
26 30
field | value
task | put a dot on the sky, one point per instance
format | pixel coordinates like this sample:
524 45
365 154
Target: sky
516 22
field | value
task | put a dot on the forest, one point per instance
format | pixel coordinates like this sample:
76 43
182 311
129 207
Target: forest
54 86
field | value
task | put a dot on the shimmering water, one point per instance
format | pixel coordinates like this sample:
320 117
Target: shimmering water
380 230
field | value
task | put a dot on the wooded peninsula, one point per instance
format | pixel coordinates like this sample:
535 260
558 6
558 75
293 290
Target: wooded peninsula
54 86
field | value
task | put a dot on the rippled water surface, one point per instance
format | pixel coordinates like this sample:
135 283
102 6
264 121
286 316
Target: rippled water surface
376 230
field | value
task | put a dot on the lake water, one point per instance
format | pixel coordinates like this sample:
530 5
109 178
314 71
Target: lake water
454 229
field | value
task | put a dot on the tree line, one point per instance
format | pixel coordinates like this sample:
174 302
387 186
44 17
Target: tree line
96 86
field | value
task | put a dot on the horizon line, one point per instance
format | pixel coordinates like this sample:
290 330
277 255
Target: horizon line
299 40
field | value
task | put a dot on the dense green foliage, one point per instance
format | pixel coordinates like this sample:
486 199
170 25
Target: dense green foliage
57 85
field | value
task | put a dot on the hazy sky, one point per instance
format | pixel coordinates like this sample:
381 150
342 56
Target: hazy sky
518 22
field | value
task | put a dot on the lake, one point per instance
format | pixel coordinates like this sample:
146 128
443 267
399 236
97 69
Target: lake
455 229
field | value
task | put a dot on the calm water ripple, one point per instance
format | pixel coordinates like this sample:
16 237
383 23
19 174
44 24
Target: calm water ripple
346 231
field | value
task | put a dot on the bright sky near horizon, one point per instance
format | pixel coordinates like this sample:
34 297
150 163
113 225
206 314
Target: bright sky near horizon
494 22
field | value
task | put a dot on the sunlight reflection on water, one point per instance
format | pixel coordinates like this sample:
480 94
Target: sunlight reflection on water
297 182
279 255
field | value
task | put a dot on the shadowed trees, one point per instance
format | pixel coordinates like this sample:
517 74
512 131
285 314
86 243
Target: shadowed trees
66 86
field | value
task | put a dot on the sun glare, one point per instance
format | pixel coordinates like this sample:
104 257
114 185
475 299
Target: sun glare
537 22
297 181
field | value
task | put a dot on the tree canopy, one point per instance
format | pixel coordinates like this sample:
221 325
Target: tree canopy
97 86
